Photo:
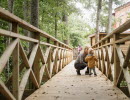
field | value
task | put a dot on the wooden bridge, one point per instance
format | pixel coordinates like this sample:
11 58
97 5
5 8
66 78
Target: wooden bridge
35 71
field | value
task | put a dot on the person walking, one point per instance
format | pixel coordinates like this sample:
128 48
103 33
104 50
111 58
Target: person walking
91 59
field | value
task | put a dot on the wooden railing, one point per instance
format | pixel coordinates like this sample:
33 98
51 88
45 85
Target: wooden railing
113 52
44 60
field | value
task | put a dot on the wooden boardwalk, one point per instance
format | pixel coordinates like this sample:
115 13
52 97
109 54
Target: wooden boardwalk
66 85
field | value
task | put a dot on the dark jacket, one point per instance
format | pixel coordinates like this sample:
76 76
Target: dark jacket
81 59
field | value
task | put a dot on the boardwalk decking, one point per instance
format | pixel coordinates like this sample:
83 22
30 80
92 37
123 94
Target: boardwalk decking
66 85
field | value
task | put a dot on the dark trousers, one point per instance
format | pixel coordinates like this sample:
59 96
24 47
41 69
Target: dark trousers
80 66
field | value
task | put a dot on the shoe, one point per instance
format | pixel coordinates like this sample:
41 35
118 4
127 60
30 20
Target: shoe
95 74
78 72
86 72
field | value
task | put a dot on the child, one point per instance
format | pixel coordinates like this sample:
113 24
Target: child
90 58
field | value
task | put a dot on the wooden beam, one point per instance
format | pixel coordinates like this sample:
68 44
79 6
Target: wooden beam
7 53
20 69
36 66
126 61
24 83
14 35
123 40
103 62
34 80
15 73
125 70
42 70
33 54
24 57
47 53
4 90
120 78
6 15
47 72
117 31
41 55
47 44
116 60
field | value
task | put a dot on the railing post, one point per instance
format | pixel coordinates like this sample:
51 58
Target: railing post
15 56
116 59
36 68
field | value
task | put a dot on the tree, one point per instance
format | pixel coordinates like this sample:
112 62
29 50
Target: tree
35 12
34 17
98 19
109 16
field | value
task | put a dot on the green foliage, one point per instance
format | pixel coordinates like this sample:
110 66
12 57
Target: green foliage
2 45
76 39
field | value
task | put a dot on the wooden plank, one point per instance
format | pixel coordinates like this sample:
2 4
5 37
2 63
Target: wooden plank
103 62
24 83
12 18
47 54
48 61
123 40
33 54
27 73
42 70
41 55
15 73
34 80
126 62
54 54
59 54
24 57
51 68
108 61
47 72
58 65
125 70
10 79
66 85
118 30
14 35
116 59
36 66
7 53
112 56
4 90
120 55
120 78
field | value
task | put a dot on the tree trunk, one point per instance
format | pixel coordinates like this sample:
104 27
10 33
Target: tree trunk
10 5
109 17
56 25
10 8
34 12
26 14
65 20
98 20
34 17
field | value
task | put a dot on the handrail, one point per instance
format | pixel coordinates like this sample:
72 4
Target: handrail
118 30
6 15
37 64
113 52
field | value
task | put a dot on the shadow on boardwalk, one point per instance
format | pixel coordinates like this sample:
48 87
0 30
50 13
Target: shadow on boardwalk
66 85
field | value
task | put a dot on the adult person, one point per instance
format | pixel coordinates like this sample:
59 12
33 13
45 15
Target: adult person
80 63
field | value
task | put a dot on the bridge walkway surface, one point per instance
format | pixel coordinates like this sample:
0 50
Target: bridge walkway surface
66 85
